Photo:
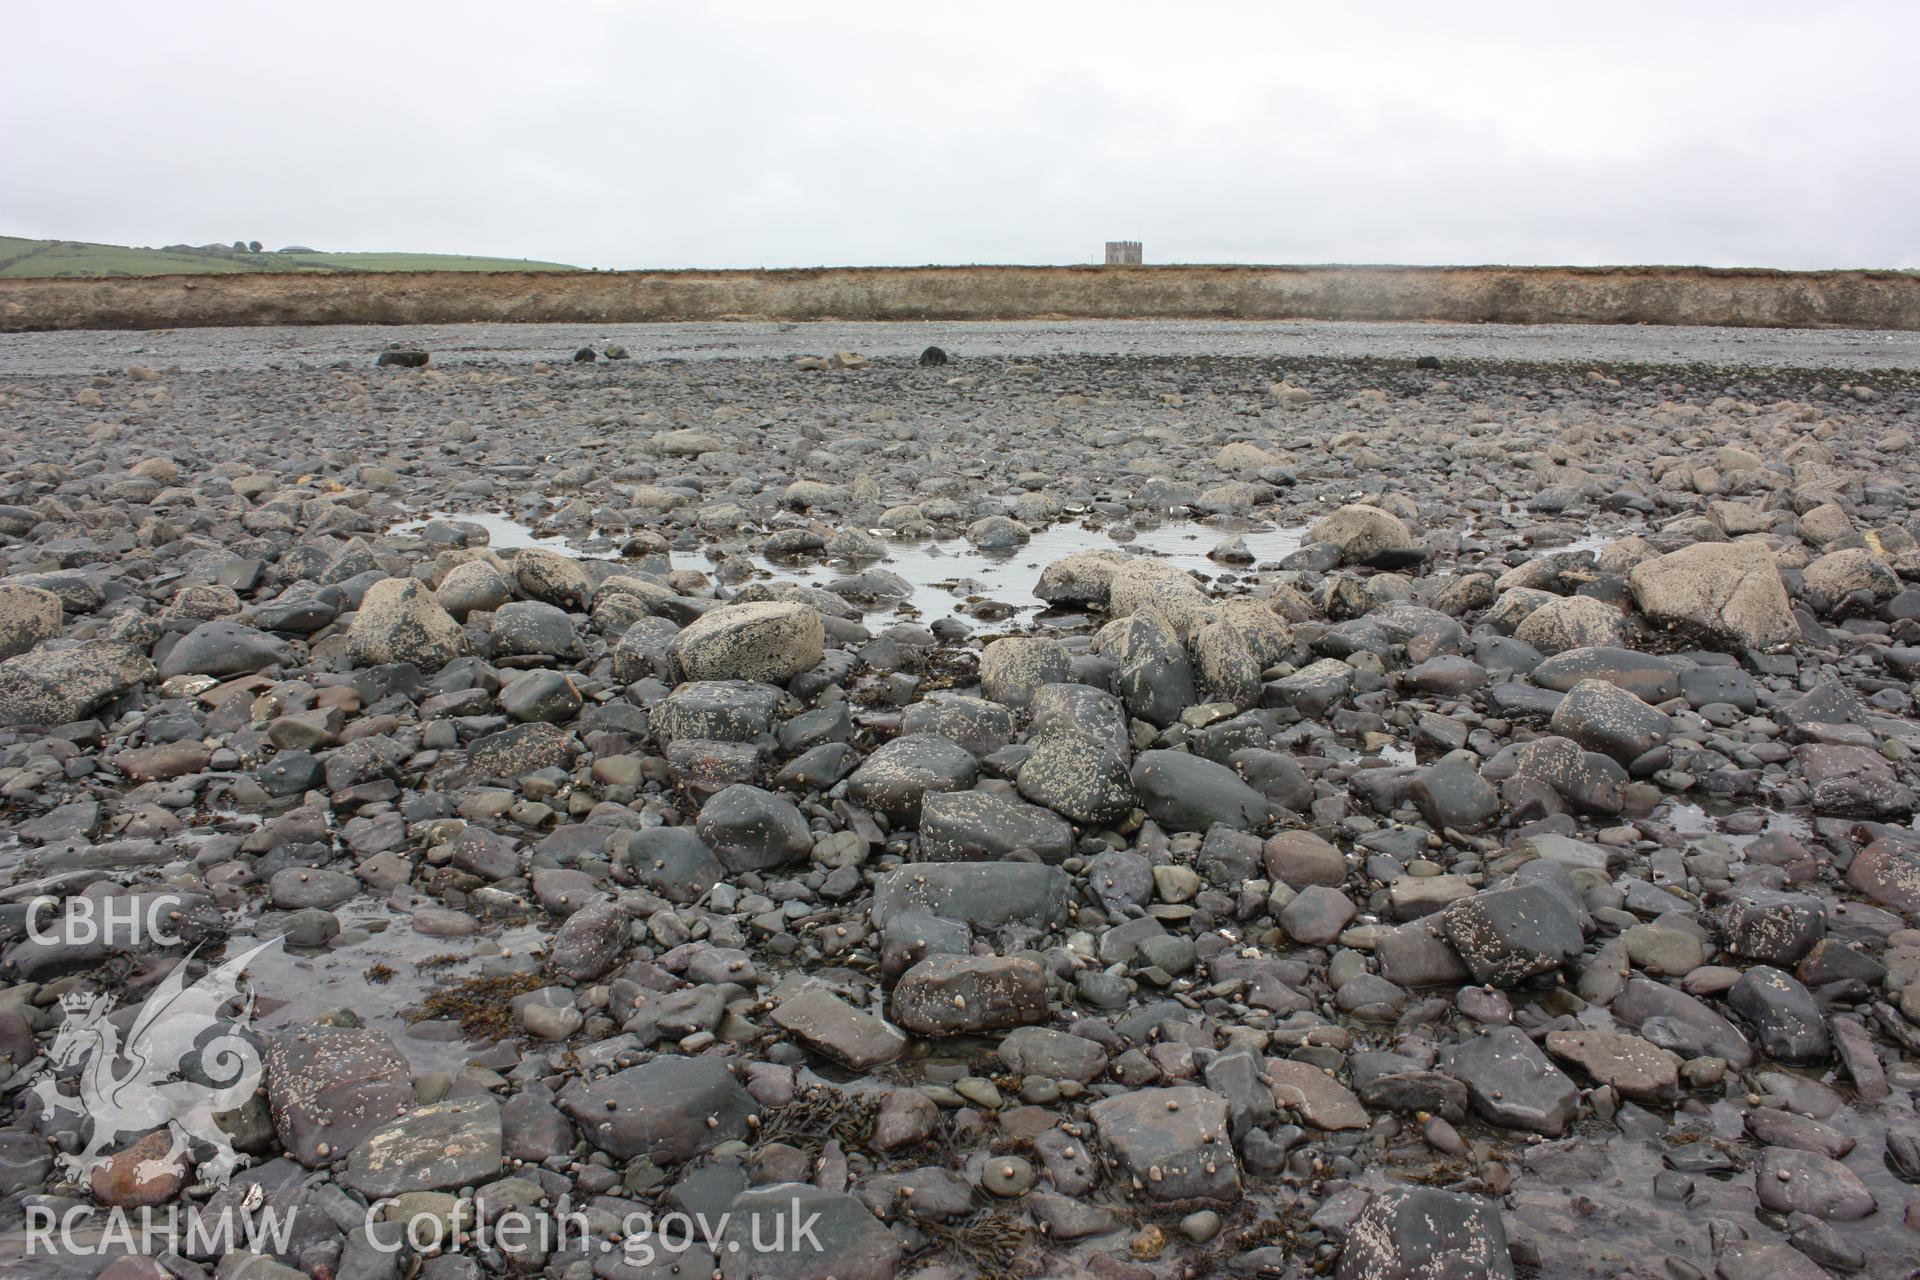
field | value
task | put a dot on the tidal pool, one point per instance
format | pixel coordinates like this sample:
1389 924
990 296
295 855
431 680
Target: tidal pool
949 573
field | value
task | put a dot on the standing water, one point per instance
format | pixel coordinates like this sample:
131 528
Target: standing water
946 573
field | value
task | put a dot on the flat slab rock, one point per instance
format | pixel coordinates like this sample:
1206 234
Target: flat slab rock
1652 1007
973 826
986 895
1767 1260
1174 1141
1055 1055
1423 1233
835 1029
1317 1097
447 1144
670 1109
1511 1082
328 1087
763 1240
1638 1070
949 995
1789 1181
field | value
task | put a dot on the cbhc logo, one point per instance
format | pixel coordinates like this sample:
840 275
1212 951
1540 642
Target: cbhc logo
125 921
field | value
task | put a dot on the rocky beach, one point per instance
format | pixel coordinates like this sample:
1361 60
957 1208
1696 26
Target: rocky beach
1127 802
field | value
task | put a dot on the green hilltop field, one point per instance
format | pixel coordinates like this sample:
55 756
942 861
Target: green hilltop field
28 258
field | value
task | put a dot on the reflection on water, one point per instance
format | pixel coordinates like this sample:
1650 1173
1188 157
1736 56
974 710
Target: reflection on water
504 533
946 573
1691 820
297 986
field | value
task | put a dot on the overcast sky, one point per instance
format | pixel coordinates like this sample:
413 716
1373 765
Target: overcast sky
695 134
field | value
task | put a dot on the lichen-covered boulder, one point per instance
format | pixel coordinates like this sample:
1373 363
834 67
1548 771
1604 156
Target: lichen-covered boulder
1730 591
771 641
400 621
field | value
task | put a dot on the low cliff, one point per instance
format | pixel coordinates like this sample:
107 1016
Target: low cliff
1502 295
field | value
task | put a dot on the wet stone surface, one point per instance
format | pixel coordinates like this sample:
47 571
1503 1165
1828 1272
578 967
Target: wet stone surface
1230 808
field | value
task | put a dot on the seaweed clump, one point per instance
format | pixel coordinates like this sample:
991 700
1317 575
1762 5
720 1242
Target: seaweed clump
989 1242
483 1006
819 1113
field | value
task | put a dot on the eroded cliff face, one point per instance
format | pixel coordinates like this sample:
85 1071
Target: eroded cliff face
1505 295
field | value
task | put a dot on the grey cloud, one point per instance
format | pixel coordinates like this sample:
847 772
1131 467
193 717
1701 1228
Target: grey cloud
633 135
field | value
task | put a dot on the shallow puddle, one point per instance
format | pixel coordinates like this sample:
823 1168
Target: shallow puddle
299 984
1689 819
948 573
503 532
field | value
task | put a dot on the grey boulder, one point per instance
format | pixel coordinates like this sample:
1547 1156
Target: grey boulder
749 829
897 777
985 895
974 826
670 1109
1183 792
950 995
446 1144
1174 1141
223 649
1425 1233
1511 1083
1508 935
58 686
1783 1014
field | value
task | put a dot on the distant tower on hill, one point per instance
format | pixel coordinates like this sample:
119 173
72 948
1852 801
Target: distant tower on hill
1123 253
